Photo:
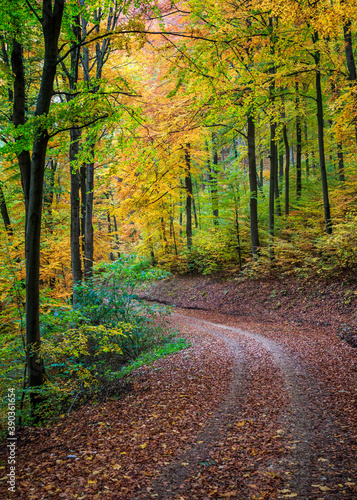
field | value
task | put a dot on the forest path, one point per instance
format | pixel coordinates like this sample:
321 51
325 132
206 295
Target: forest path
276 398
250 411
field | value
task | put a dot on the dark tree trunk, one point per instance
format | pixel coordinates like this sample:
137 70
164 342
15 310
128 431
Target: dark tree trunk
307 161
351 66
89 247
276 183
49 192
273 148
281 161
287 170
253 187
83 188
341 166
273 175
18 117
236 223
5 213
213 177
51 25
298 144
320 121
75 210
188 186
75 136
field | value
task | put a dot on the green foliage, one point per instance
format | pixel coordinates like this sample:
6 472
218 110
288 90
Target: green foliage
170 347
84 347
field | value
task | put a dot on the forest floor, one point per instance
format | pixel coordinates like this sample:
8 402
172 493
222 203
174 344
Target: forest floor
261 406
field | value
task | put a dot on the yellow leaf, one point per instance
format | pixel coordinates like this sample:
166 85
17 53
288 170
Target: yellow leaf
143 445
321 488
116 466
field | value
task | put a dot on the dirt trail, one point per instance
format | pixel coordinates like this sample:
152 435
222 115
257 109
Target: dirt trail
311 453
250 411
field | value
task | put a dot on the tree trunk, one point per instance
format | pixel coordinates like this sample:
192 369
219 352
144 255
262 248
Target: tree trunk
281 161
75 136
75 210
49 192
18 117
273 148
307 161
188 186
287 170
83 188
253 200
51 26
273 173
5 213
89 247
341 167
320 122
276 183
213 178
298 144
351 66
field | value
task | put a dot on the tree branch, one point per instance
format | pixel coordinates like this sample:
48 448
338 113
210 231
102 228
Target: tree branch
33 11
78 127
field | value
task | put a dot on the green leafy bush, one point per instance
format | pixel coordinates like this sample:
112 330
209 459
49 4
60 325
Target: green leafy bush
86 345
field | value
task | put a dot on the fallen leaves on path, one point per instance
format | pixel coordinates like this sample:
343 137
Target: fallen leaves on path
184 420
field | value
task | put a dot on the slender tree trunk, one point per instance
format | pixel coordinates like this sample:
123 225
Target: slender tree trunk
89 247
236 223
5 213
214 180
287 170
49 192
351 66
298 144
281 161
320 121
273 148
195 212
276 184
75 209
273 173
75 137
82 213
307 161
341 167
188 186
253 200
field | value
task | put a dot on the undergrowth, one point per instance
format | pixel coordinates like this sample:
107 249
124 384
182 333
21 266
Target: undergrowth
88 347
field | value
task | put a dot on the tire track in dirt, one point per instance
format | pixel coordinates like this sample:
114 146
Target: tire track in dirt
300 418
168 484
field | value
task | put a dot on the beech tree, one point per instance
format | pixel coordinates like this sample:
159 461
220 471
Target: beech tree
32 161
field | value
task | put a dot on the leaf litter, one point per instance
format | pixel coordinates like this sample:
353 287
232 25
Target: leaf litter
250 411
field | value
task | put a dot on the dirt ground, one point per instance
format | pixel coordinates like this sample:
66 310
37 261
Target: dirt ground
262 405
330 303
